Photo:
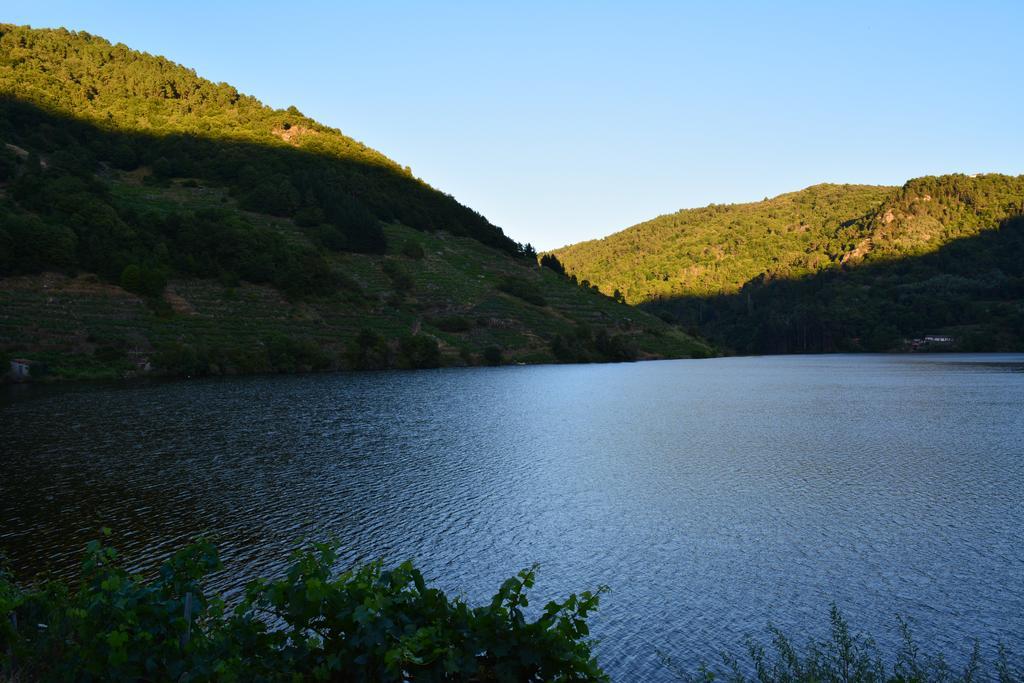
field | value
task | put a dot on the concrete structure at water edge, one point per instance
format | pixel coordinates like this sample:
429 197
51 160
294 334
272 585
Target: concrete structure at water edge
21 369
932 341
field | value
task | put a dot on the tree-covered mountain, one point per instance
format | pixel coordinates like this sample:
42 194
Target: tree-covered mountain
149 217
831 268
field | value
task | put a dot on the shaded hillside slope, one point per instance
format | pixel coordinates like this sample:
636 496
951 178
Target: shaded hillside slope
150 219
970 289
830 268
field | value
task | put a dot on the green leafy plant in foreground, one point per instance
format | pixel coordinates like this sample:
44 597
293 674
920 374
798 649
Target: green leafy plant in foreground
366 624
844 657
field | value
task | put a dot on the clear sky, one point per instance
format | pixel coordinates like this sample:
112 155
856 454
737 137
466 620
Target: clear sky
567 121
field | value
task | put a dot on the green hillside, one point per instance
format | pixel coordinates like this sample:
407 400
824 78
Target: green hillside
717 248
151 220
831 268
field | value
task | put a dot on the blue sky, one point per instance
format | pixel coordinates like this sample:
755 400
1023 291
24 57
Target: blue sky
567 121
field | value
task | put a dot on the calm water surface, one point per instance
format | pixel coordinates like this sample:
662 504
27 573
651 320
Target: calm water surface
711 495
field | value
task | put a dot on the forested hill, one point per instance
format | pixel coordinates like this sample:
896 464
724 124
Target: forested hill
719 247
182 125
151 220
831 267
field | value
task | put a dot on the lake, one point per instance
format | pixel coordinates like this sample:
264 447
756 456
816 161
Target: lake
712 496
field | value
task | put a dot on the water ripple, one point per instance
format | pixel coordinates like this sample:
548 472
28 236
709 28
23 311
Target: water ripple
712 496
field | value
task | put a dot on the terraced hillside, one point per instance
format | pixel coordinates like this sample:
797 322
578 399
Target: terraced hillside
83 327
152 221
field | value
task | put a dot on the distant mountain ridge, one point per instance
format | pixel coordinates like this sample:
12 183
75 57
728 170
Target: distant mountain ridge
756 277
151 220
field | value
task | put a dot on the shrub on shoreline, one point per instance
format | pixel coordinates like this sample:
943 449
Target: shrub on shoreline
366 624
844 657
375 624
